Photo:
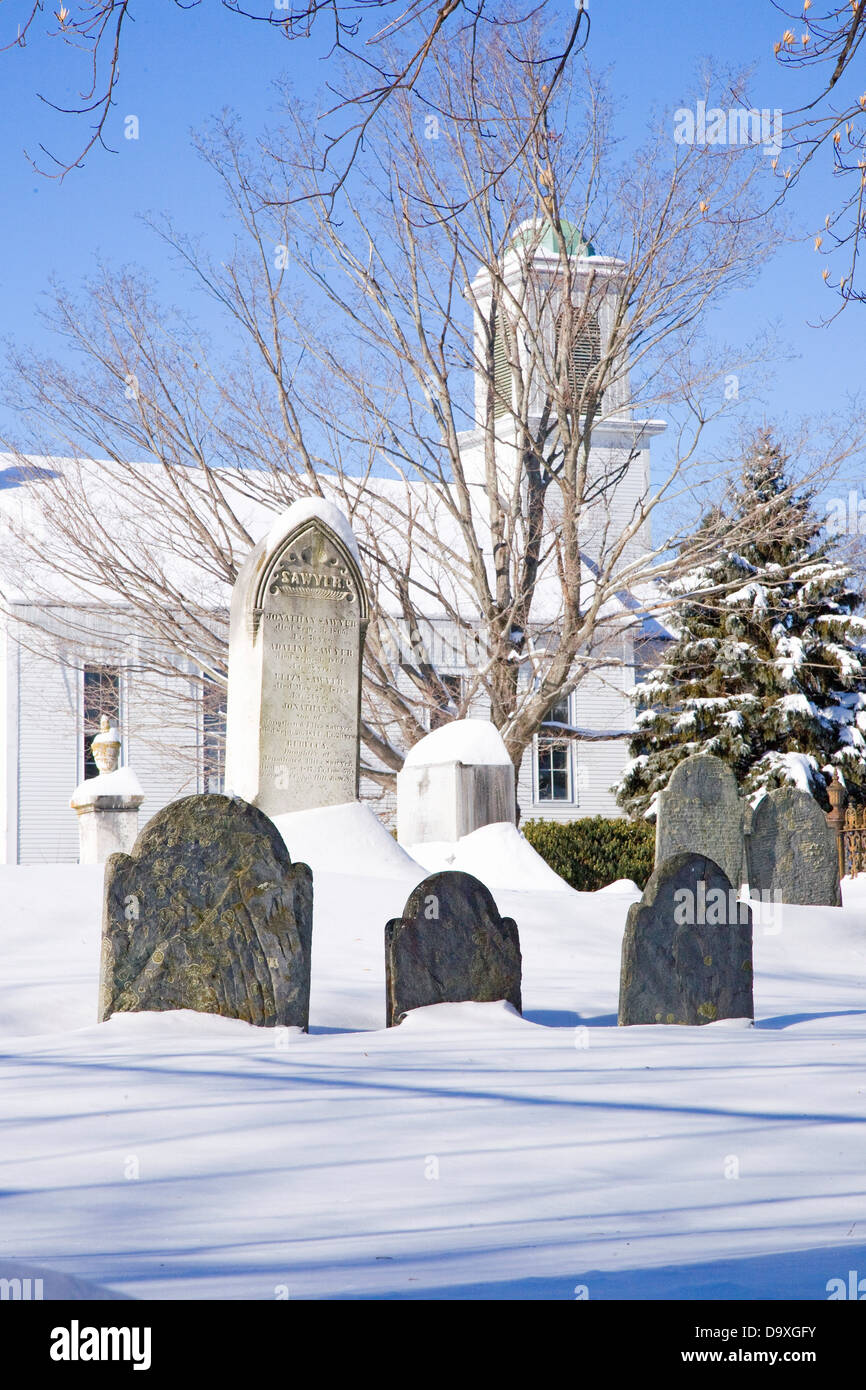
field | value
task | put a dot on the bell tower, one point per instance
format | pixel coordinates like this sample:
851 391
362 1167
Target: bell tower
551 331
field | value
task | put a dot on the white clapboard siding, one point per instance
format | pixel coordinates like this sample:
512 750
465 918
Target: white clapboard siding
159 727
381 800
8 748
42 715
47 768
600 703
603 521
596 766
162 740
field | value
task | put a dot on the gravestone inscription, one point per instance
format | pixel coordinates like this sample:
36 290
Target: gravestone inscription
208 913
298 621
792 851
687 949
701 812
450 946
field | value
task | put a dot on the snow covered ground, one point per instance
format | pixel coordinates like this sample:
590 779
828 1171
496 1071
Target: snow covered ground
467 1154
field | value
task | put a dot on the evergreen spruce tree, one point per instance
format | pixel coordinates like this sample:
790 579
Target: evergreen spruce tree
768 674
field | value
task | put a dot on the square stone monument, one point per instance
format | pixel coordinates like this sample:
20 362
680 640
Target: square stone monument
454 781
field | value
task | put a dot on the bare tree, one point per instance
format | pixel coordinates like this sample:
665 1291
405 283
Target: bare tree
450 361
828 40
97 33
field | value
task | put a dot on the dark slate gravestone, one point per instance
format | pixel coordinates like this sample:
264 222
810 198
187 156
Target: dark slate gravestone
700 812
208 913
450 945
687 950
793 856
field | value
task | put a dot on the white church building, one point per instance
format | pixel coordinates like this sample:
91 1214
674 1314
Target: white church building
53 694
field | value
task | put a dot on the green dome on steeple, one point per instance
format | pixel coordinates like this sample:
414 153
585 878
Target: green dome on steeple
575 244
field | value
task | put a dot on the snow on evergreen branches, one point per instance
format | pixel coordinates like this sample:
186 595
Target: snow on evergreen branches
768 671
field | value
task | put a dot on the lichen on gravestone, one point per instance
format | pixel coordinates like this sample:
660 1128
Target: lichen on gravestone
208 913
792 853
701 812
687 948
450 946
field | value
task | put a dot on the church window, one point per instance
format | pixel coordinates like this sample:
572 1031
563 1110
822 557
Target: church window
553 779
213 742
449 704
101 696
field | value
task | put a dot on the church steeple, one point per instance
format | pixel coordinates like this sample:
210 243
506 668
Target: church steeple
529 314
550 307
543 235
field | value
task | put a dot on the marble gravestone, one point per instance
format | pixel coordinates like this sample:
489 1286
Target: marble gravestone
455 780
792 851
700 812
208 913
450 946
687 949
298 620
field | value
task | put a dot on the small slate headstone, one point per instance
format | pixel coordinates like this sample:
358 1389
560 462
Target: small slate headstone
687 950
701 812
450 945
208 913
792 854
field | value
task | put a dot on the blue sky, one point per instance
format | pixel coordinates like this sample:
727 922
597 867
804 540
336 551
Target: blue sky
180 67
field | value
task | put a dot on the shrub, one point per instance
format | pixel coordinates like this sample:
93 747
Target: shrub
596 851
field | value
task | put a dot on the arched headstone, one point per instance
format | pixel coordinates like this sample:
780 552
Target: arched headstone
298 621
687 949
701 812
792 853
450 946
209 913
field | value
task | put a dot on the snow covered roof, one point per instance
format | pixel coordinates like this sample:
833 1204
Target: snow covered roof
110 496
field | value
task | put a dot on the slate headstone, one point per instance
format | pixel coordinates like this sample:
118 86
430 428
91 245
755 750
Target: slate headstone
792 851
687 949
449 946
701 812
208 913
298 621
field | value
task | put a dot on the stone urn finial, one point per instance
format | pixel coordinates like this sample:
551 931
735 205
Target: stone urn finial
836 816
106 746
837 797
107 805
